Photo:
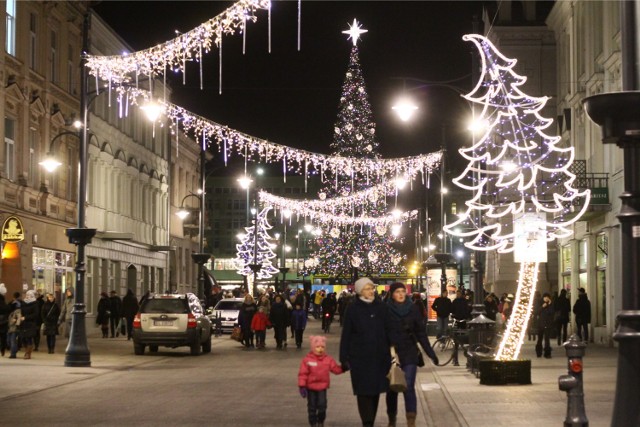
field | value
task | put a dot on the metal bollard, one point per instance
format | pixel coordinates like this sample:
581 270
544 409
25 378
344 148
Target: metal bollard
572 384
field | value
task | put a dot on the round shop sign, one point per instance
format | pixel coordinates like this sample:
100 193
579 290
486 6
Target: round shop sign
12 230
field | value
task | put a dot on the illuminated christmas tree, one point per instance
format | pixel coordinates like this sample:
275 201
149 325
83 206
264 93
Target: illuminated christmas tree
257 248
523 188
364 247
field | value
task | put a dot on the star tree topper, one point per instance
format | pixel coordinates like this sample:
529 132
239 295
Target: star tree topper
354 31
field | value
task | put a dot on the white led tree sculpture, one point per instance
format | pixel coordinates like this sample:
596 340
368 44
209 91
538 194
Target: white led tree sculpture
257 247
523 188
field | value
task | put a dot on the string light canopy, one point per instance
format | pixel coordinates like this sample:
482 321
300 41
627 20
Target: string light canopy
174 54
523 188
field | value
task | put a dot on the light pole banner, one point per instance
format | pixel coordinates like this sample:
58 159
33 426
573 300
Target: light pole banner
530 243
433 287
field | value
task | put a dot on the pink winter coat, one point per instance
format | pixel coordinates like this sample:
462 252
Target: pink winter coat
314 371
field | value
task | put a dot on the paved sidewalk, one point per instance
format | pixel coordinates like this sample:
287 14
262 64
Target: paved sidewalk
448 396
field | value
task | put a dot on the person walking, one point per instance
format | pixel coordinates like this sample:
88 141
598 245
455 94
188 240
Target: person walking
65 311
442 307
460 309
129 310
562 309
545 326
5 310
314 379
104 314
15 317
115 306
50 314
28 323
298 323
245 317
364 349
279 317
405 328
259 325
582 311
328 306
40 302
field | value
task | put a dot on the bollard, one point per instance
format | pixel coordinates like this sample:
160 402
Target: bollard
572 384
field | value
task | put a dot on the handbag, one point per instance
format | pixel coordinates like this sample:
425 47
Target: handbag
236 334
397 380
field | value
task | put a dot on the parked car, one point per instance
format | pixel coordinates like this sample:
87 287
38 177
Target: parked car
226 313
171 320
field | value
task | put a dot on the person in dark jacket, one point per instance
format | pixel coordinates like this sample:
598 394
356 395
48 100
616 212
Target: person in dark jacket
298 323
364 348
405 329
104 313
329 306
115 304
562 308
460 307
442 307
545 326
532 330
50 313
582 311
279 317
40 301
491 306
129 310
28 322
5 310
247 310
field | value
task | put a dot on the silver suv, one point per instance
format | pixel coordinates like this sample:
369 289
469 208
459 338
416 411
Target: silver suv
171 320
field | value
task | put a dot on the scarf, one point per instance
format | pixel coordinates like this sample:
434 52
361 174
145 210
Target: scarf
401 310
367 300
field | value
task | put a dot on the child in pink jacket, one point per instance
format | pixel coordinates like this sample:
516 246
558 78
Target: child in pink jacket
313 379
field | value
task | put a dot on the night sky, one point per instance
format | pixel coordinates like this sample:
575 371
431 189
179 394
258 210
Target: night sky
291 97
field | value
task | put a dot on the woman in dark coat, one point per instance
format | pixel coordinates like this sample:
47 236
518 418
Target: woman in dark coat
104 313
28 325
545 325
247 310
279 317
406 329
50 313
582 311
129 310
364 349
562 308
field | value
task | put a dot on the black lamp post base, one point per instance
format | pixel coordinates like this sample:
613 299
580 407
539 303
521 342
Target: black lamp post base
626 411
77 353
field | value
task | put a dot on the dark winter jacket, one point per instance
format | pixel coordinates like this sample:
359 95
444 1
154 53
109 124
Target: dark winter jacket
545 316
115 304
298 319
279 315
4 315
28 326
406 329
582 309
562 307
129 305
329 304
247 311
460 309
50 313
442 306
104 311
364 346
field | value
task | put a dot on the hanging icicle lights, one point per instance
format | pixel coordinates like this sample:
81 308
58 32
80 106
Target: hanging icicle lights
174 54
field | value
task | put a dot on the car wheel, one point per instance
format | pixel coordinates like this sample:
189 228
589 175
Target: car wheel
206 346
153 348
138 349
195 348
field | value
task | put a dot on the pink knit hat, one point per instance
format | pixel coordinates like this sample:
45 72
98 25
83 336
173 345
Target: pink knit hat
318 340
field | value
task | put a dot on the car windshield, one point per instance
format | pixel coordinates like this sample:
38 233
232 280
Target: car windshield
165 306
229 305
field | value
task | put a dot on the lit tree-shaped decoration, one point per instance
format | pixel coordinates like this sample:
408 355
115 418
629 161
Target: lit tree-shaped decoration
523 194
354 137
259 246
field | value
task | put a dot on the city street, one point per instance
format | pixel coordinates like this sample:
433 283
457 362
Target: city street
234 387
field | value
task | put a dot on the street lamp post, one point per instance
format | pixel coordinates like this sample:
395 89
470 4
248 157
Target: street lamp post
619 116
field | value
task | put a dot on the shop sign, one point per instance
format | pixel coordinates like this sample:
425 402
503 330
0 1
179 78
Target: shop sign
12 230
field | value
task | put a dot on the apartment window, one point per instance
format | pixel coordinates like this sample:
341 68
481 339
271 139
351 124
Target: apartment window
602 251
70 70
11 27
54 56
582 256
566 268
70 181
454 209
33 51
33 143
9 149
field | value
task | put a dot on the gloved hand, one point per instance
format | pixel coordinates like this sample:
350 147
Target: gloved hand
303 392
435 360
345 366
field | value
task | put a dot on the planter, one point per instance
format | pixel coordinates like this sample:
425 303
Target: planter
502 372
